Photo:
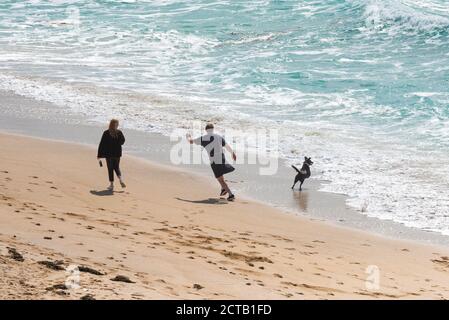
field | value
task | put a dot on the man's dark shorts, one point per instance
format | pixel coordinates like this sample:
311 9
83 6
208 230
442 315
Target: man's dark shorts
221 169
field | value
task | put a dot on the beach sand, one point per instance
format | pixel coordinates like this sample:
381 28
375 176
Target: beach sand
172 238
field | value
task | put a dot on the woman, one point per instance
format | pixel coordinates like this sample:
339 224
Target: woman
110 148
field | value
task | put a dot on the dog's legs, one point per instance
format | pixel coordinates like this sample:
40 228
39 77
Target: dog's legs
300 186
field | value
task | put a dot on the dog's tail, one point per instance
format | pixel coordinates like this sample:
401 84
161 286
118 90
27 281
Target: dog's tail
295 168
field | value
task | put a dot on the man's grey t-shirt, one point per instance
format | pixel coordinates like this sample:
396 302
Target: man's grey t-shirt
213 143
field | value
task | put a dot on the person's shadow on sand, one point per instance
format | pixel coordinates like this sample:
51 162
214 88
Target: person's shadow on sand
205 201
104 193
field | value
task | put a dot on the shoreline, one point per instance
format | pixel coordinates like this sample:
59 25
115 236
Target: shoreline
173 241
269 190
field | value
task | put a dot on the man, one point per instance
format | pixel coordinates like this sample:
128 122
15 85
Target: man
214 143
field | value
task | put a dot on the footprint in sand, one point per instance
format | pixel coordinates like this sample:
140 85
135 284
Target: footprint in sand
121 278
197 286
442 262
54 265
15 255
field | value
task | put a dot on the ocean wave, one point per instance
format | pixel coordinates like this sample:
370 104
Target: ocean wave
253 38
406 15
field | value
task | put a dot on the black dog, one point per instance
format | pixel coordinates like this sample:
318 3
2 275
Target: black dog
304 173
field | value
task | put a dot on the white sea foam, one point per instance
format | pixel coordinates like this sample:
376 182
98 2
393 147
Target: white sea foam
406 15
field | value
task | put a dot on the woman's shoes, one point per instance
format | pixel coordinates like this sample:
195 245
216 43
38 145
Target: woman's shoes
111 186
231 197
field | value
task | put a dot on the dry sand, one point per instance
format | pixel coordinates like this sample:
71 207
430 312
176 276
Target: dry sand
171 236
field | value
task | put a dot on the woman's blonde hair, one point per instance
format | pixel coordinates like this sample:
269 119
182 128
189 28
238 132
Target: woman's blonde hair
113 124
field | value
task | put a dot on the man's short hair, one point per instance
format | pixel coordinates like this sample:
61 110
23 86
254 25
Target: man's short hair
209 126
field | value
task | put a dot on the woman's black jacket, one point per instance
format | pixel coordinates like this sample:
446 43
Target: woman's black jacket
111 147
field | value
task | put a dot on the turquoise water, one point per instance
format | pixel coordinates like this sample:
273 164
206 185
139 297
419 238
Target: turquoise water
360 86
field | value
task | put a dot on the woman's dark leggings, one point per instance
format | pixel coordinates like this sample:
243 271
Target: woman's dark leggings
113 165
